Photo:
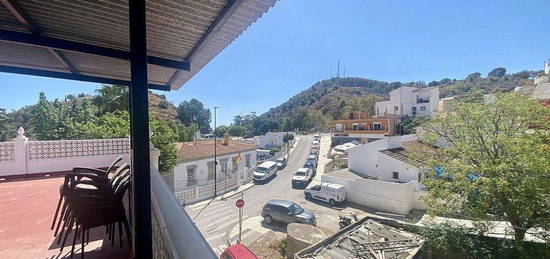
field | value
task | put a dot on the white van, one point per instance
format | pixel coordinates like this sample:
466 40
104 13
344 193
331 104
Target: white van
330 192
265 171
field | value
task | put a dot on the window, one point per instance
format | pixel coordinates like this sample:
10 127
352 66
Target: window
422 108
211 168
247 160
395 108
414 110
191 175
395 175
376 126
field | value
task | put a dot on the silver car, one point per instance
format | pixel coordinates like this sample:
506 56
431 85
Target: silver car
286 212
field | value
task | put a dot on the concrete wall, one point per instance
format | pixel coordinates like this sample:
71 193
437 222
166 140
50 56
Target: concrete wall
391 197
272 139
363 159
387 165
21 156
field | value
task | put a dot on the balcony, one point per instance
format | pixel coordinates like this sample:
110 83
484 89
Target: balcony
362 130
30 195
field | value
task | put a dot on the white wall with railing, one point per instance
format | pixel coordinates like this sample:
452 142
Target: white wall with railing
22 156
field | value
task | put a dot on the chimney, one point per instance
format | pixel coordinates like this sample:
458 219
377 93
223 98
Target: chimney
225 139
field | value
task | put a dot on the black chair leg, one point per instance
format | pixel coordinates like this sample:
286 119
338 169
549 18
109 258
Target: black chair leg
113 232
82 240
128 233
56 211
74 240
69 226
120 233
62 216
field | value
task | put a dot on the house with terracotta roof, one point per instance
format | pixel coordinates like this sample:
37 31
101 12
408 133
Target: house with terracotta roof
196 166
409 101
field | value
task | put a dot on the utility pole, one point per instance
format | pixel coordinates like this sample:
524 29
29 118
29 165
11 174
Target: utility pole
338 74
215 155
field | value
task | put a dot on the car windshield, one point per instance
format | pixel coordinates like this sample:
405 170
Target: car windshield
295 209
280 160
261 169
300 173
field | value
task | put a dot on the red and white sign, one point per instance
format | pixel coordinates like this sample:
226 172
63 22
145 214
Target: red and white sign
239 203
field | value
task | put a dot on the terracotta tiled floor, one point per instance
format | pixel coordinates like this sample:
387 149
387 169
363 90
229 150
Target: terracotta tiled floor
26 211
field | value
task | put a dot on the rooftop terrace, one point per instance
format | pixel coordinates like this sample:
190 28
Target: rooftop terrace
27 209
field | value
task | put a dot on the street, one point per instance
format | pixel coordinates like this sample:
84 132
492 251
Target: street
221 216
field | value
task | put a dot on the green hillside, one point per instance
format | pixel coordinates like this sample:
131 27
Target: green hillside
331 96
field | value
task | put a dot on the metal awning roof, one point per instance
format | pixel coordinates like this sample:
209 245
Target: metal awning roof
89 40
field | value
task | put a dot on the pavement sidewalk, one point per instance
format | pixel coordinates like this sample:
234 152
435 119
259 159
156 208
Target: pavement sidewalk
323 158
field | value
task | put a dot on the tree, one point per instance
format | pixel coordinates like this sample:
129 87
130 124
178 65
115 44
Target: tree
4 126
408 124
473 76
237 131
496 165
220 131
364 103
433 83
497 72
112 98
163 138
193 112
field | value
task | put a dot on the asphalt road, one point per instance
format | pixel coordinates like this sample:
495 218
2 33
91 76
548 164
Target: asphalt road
220 216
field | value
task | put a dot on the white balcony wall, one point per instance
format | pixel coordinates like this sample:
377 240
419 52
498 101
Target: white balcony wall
24 157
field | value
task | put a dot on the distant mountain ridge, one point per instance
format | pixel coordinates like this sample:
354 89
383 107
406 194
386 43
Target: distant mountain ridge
331 95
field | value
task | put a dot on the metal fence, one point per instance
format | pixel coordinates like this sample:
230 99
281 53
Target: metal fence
199 193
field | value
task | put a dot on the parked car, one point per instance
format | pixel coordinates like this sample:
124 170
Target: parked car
286 212
314 153
311 165
329 192
312 158
238 251
265 171
302 177
281 162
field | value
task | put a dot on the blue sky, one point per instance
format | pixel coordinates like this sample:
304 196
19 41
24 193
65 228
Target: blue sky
298 43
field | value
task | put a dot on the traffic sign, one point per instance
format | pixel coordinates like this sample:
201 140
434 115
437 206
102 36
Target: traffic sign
239 203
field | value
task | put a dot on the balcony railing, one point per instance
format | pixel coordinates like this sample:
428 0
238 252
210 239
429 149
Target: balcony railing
174 233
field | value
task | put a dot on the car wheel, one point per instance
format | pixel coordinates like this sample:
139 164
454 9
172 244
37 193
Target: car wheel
268 219
308 196
332 202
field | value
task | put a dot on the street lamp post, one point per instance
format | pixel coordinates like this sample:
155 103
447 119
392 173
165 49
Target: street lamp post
215 155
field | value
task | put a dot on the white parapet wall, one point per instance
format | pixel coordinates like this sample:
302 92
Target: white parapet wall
21 156
391 197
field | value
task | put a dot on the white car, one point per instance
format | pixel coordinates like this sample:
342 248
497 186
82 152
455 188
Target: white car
302 177
329 192
265 171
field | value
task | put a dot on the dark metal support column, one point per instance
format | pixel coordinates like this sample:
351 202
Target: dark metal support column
141 182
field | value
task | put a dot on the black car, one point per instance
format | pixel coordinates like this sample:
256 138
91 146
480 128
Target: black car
286 212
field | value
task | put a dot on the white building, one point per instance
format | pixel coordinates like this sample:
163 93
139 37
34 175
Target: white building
272 139
196 162
384 175
409 101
